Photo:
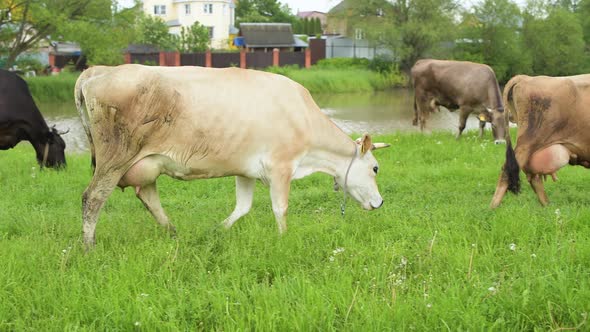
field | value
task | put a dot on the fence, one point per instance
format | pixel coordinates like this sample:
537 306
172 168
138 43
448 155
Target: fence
240 59
353 48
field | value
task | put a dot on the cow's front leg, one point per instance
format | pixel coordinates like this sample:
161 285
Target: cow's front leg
280 185
244 196
536 182
148 194
463 115
482 125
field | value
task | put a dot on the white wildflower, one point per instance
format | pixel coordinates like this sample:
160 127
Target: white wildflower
338 250
137 324
533 255
429 305
331 258
403 262
492 289
512 246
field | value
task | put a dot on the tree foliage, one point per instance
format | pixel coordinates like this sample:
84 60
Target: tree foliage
410 28
263 11
307 26
491 34
557 43
101 41
193 39
24 24
152 30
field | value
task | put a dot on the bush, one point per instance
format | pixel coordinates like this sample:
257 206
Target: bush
58 88
383 64
343 63
27 63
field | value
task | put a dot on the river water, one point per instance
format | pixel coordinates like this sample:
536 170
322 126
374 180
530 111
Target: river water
381 112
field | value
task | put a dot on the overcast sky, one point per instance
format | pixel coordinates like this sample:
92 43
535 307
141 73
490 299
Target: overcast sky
310 5
326 5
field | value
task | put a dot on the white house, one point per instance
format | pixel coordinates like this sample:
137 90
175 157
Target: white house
217 15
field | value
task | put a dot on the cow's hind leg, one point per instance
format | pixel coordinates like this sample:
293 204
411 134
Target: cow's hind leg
244 196
148 194
536 182
100 188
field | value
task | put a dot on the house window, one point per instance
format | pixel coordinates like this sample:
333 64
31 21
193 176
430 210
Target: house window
210 29
187 8
160 10
208 8
359 34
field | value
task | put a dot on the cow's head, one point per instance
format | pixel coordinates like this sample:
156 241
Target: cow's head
497 118
359 181
53 152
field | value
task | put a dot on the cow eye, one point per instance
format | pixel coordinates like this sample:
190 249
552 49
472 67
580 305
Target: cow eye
376 169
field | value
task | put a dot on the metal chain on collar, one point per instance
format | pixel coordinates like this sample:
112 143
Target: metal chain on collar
345 188
45 153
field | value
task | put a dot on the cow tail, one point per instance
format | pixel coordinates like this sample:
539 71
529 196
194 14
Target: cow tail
82 112
511 168
415 120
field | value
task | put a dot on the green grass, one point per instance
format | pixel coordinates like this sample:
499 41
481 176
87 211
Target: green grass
323 80
58 88
433 257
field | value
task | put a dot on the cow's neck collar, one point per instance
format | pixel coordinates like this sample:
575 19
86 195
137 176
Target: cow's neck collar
345 188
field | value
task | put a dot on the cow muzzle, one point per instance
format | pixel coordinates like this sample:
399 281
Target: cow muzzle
373 206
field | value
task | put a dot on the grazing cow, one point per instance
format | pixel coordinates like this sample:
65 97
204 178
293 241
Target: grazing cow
467 86
553 116
193 122
20 120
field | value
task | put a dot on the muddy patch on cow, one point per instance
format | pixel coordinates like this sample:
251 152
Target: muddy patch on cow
537 106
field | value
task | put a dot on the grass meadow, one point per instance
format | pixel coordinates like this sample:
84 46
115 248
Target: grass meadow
434 257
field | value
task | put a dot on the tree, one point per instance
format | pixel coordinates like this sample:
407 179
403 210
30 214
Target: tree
410 28
193 39
263 11
25 23
101 41
493 30
153 31
557 43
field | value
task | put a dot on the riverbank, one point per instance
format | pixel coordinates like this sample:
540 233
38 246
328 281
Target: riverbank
433 257
60 88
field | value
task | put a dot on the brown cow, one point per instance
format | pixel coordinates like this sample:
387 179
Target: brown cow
466 86
553 114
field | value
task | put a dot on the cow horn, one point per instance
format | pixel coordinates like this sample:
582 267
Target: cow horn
63 132
380 146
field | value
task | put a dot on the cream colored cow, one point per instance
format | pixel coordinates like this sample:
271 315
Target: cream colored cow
192 123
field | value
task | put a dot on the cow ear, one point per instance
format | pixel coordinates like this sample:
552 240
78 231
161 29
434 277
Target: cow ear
366 144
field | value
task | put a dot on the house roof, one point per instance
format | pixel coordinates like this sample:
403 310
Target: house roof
338 8
309 14
267 34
